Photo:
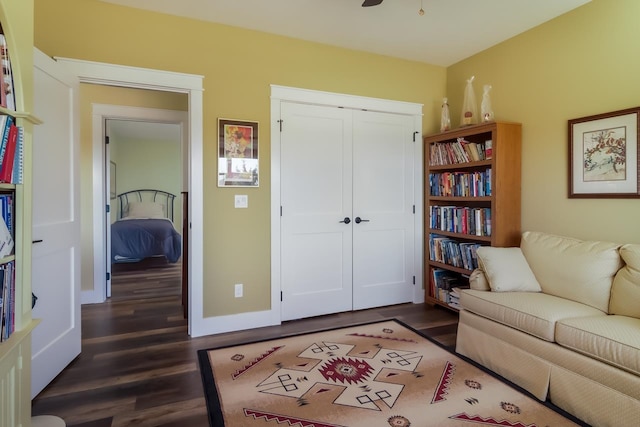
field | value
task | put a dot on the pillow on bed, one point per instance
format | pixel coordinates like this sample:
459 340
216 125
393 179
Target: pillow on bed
145 210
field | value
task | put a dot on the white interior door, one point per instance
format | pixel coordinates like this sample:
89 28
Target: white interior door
316 198
56 340
383 230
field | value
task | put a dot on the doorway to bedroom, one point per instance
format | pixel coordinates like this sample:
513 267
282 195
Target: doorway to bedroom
145 192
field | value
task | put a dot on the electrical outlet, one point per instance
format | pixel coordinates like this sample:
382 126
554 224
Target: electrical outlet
238 290
241 201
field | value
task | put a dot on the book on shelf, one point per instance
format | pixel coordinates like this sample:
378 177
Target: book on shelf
18 160
6 211
458 151
8 99
460 219
7 309
449 251
5 125
6 240
6 167
443 282
460 184
488 148
11 151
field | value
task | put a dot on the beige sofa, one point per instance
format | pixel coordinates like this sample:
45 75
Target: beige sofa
560 317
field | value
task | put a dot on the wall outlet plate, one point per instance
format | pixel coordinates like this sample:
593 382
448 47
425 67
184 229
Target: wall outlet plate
238 290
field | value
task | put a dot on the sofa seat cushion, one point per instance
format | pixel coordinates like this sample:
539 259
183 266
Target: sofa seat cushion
611 339
532 312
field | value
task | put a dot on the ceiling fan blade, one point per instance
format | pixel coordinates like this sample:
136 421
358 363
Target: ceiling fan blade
368 3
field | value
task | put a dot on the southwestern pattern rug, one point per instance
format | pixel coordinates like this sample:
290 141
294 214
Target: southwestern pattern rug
378 374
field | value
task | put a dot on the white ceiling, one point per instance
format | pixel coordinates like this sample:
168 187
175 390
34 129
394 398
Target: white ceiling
448 32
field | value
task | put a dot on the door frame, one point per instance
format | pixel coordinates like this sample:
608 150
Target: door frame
144 78
281 94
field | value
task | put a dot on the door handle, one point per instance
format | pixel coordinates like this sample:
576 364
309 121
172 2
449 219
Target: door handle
37 241
359 220
346 220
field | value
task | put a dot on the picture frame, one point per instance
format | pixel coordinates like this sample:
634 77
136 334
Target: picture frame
603 155
112 181
238 160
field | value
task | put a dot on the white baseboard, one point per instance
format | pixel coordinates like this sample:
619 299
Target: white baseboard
235 322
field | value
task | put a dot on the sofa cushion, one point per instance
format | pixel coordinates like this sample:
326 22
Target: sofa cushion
577 270
506 269
612 339
535 313
625 292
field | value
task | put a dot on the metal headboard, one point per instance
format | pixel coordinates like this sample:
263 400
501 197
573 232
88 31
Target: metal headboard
147 195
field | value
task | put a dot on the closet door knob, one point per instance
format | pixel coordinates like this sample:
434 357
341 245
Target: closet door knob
346 220
359 220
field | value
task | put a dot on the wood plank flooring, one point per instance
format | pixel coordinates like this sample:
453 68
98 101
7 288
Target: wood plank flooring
139 367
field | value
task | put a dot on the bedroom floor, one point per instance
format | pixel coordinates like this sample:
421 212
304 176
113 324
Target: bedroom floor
139 367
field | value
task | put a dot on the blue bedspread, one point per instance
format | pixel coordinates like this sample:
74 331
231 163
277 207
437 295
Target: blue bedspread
143 238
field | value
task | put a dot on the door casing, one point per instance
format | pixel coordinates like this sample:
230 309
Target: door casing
291 94
143 78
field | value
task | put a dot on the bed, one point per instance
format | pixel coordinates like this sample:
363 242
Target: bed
144 227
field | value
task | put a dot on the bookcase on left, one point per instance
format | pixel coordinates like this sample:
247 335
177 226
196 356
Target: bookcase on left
16 25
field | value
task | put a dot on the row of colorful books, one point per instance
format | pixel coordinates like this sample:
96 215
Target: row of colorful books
7 300
452 252
11 151
460 219
459 151
460 184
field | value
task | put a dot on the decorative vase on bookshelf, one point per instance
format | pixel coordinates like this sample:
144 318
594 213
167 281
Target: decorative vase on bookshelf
469 113
473 199
445 117
486 110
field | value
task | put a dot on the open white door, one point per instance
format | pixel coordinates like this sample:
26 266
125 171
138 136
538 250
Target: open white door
56 222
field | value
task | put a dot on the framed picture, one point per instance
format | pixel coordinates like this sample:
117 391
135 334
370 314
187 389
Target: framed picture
112 180
237 153
603 155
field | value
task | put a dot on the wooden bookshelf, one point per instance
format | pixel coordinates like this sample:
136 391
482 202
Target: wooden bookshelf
495 211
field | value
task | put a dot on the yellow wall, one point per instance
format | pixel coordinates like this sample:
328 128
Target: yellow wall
96 94
583 63
148 164
239 66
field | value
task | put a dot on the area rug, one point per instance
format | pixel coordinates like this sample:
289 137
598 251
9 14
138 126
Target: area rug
378 374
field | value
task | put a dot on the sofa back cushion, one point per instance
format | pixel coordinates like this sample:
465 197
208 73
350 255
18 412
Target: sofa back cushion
625 292
578 270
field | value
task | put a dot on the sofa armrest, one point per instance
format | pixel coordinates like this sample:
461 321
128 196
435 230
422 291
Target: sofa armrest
478 281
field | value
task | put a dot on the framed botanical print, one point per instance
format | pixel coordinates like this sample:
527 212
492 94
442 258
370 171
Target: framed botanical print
603 155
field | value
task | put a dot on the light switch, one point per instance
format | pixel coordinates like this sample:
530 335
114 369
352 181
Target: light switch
242 201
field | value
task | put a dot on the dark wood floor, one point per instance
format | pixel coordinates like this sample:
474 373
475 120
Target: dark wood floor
139 367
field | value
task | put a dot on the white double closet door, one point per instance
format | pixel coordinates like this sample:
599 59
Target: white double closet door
347 215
